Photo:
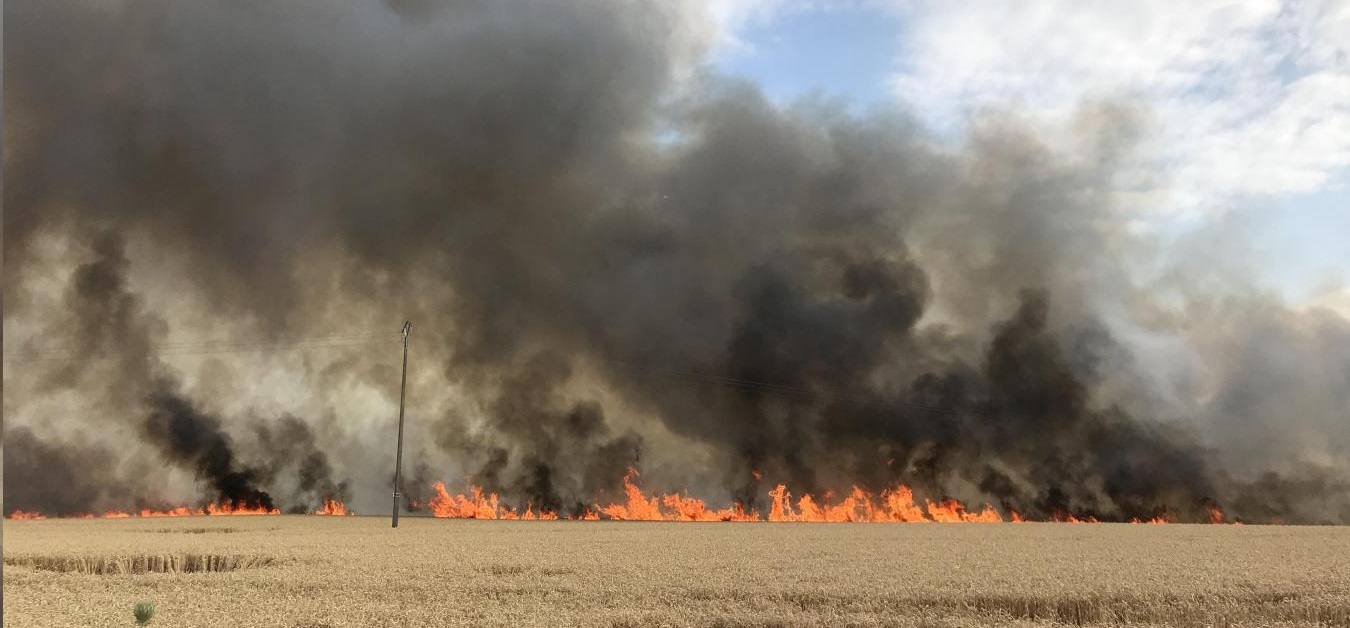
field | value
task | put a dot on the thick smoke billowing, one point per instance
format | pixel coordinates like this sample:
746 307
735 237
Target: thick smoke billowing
196 440
33 467
290 446
613 258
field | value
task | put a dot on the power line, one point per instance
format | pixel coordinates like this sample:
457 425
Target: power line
210 347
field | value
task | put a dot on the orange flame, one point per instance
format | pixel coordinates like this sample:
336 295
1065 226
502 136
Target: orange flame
477 506
20 514
895 505
1155 520
181 511
238 509
639 507
332 507
1064 517
953 511
460 507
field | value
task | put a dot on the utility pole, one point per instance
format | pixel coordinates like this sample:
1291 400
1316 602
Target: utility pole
402 389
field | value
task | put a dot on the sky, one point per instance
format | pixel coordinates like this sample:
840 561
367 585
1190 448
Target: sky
1247 103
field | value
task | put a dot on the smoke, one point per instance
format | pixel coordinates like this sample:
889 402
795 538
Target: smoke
196 440
613 257
110 328
33 468
291 451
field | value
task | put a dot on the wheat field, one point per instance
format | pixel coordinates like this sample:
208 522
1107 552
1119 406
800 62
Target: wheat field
312 572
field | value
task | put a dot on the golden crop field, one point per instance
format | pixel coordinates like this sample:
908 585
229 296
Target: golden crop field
306 571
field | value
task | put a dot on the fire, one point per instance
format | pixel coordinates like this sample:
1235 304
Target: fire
671 507
544 515
1064 517
238 509
332 507
953 511
213 509
477 506
895 505
461 507
181 511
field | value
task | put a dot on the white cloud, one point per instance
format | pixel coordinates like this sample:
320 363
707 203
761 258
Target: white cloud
730 17
1247 98
1335 300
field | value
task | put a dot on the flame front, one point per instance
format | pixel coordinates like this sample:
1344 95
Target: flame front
894 505
671 507
239 509
32 516
181 511
332 507
476 506
212 509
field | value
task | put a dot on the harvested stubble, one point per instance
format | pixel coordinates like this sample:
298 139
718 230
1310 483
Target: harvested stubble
354 571
194 530
155 563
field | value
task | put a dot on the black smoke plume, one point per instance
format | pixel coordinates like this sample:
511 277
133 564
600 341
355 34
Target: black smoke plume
186 436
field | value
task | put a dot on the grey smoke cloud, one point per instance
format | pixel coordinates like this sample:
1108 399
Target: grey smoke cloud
612 256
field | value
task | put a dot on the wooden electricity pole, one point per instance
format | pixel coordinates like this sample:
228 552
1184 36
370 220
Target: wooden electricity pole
402 389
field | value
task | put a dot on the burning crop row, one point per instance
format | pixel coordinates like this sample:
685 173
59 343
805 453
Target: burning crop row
895 505
330 507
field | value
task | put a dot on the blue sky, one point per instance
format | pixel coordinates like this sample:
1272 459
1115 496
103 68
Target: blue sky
1309 241
1253 105
845 52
